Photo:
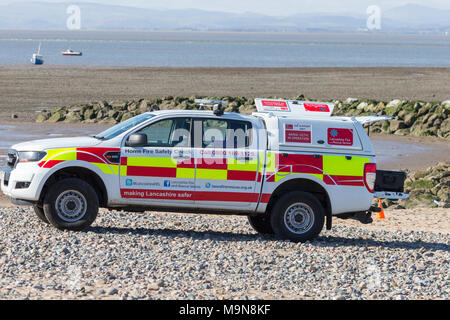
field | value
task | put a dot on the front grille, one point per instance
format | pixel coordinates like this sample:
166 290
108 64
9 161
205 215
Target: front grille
12 158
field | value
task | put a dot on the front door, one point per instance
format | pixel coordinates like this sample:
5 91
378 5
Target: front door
163 172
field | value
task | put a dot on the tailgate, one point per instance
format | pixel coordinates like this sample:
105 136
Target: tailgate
390 185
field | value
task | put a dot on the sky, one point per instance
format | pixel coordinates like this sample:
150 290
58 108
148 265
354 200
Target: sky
269 7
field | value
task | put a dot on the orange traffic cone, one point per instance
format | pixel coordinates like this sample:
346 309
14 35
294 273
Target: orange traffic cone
380 215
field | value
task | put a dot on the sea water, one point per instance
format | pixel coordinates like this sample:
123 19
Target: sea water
226 49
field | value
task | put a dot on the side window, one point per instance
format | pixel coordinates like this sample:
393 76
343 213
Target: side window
168 133
226 133
214 133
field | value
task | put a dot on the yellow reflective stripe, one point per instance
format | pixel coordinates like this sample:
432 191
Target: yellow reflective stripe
61 154
339 165
160 162
123 170
108 169
187 173
213 174
234 164
279 177
261 162
270 165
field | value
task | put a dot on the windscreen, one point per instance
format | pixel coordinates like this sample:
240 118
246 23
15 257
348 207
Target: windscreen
123 126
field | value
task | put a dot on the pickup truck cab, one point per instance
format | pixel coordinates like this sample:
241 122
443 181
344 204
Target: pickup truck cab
289 167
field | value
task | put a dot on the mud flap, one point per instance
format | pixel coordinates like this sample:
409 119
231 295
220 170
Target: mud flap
329 221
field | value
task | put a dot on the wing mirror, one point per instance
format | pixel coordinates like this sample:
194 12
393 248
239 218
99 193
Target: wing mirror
137 140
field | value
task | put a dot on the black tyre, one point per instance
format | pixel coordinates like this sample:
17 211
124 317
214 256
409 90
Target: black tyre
71 204
40 214
297 216
261 224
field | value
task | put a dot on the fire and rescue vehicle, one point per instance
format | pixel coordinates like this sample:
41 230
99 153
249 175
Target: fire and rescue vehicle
290 167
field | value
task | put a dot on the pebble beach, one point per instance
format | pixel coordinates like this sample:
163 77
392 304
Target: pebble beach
175 256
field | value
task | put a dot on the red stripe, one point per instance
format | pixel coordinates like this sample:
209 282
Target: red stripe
49 163
189 195
349 180
98 151
327 180
265 197
296 159
351 183
241 175
344 178
157 194
212 163
152 172
284 169
306 169
123 161
89 158
270 177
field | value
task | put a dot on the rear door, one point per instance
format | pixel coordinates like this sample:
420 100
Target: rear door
227 163
163 172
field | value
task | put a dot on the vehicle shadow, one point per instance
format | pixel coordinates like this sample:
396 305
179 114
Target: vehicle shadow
321 241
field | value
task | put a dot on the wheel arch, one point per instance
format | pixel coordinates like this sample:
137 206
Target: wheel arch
306 185
82 173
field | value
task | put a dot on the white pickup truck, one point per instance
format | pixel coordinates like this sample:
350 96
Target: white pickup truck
289 167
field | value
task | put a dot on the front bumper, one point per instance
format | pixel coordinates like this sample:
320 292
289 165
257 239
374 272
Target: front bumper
13 181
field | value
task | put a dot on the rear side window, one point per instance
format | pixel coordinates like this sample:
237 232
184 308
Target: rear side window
168 133
225 133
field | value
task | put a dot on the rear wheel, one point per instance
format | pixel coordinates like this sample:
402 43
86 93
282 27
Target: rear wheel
261 224
297 216
71 204
40 214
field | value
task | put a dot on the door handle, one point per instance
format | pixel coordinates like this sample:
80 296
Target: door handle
181 157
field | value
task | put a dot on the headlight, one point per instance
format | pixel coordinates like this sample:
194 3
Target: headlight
30 156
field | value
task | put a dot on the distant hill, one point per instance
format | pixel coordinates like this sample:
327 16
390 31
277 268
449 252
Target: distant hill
418 16
42 15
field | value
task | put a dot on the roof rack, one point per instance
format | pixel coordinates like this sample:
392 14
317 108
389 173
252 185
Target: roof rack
215 105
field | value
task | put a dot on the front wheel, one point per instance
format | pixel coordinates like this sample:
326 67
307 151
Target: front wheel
297 216
40 213
71 204
261 224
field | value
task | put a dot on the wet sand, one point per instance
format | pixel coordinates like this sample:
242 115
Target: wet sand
28 88
394 152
